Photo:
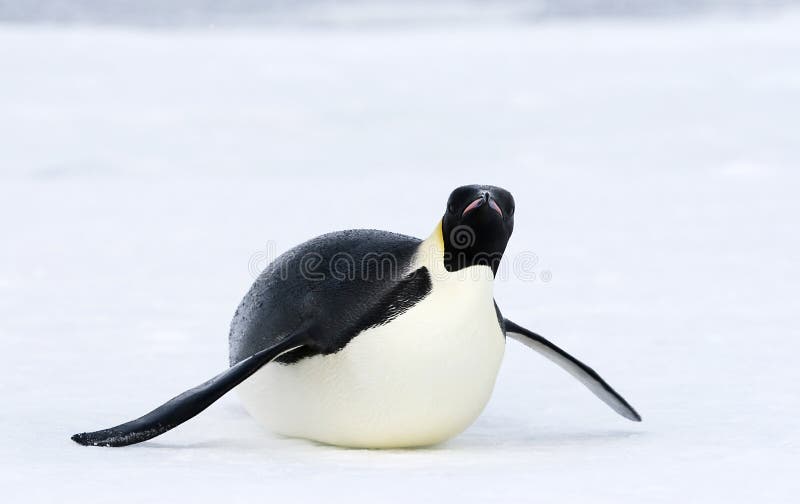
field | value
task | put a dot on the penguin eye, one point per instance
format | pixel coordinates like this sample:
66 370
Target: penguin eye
451 208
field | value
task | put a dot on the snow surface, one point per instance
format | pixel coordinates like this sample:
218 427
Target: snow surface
146 175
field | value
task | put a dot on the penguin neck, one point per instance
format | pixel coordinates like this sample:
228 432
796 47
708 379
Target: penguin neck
431 255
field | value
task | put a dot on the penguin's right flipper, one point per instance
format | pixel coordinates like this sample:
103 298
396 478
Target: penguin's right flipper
573 366
188 404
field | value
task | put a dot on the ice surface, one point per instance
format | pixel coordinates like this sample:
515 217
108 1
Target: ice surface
147 174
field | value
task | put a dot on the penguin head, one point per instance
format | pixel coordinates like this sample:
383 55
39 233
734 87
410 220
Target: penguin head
476 226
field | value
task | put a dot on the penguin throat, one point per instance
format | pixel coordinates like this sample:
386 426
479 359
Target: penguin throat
459 251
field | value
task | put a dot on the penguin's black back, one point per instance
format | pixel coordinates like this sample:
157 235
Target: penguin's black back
335 285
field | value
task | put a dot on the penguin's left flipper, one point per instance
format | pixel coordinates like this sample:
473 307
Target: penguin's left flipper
573 366
188 404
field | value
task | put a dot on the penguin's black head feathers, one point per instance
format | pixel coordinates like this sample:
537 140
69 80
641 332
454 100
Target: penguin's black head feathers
476 226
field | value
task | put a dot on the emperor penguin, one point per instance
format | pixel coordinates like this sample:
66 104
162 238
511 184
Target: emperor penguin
373 339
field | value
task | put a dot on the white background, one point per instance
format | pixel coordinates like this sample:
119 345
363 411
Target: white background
145 174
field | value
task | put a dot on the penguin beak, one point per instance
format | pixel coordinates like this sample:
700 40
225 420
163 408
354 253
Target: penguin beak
485 199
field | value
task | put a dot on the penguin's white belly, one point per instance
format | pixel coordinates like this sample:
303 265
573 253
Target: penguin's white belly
418 380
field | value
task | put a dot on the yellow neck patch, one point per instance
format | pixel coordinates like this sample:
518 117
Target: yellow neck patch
431 251
437 235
